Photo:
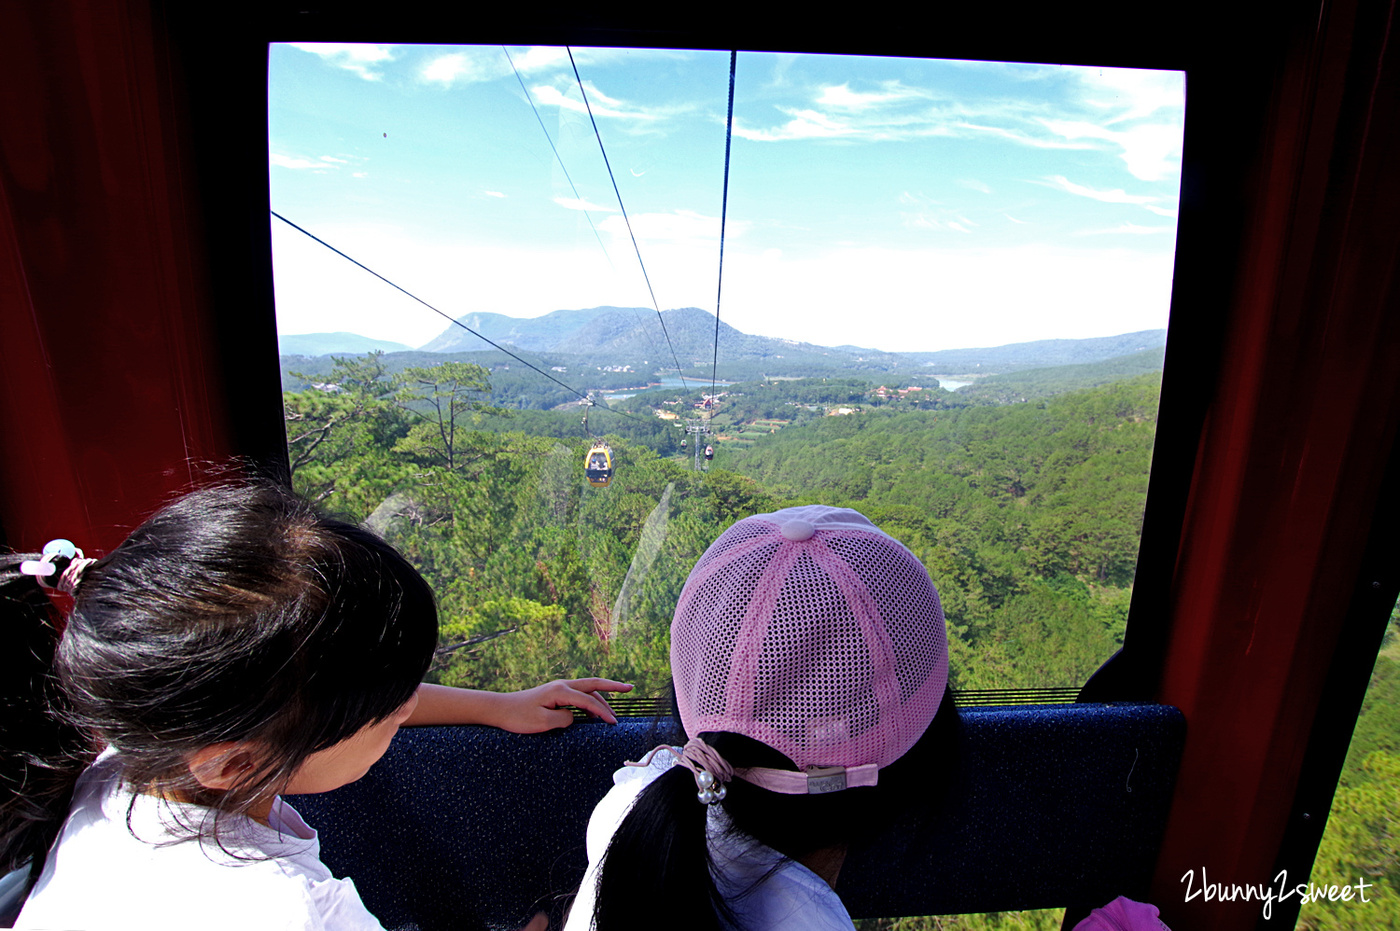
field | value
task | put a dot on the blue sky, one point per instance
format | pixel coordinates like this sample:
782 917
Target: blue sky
898 204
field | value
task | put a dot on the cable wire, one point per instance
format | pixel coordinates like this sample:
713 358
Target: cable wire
531 101
574 391
723 214
577 196
625 219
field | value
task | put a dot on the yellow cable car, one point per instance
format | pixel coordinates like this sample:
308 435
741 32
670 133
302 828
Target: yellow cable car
597 465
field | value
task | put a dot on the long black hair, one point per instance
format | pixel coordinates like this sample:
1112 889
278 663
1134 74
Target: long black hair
658 861
40 757
237 613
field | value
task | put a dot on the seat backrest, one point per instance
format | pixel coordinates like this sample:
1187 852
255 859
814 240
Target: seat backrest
462 827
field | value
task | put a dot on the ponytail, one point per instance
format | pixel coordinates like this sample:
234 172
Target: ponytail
41 753
658 862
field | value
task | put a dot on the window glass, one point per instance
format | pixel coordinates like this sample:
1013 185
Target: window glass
1359 857
944 303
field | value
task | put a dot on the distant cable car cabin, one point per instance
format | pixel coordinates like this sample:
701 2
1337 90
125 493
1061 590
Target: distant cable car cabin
709 453
597 465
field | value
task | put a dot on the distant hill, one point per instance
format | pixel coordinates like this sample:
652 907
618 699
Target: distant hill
539 334
692 336
612 348
634 333
1038 353
321 344
1030 384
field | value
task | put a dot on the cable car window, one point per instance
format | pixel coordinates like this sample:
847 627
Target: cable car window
510 344
1359 842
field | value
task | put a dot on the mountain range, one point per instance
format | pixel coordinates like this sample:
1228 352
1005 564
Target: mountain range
634 335
323 344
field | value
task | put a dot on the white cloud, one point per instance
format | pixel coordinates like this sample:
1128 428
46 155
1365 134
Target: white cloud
1115 196
955 289
295 163
600 103
540 58
1024 138
318 165
680 226
487 63
449 69
929 214
864 296
359 58
574 203
1130 229
359 174
1135 113
841 95
878 118
318 291
1136 93
805 124
882 298
1151 152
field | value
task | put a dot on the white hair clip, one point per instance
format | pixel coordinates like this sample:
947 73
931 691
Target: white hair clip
53 550
59 558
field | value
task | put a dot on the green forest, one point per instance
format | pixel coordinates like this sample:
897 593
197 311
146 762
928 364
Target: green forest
1027 515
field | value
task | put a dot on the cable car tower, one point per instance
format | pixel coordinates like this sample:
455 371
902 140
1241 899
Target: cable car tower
699 428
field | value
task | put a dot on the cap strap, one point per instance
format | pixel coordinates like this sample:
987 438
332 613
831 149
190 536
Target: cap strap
712 771
818 781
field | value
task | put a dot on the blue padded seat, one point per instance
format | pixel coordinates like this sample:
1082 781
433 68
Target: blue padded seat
462 827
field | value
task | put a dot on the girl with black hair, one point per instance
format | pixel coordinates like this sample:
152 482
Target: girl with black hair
810 666
235 647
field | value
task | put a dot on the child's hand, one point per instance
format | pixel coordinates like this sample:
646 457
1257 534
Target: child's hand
546 707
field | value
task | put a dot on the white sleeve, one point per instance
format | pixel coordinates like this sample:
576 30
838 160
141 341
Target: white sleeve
339 907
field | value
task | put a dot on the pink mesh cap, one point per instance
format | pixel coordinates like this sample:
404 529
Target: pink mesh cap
812 631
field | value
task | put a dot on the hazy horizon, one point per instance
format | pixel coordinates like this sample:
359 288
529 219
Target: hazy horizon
486 347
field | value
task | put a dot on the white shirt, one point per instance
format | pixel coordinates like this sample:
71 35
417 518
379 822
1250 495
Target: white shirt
103 875
793 898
